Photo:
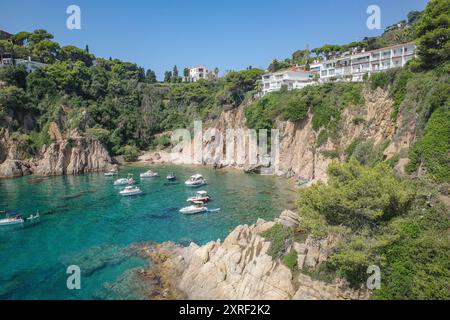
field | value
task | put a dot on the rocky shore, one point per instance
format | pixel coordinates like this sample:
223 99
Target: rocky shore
300 156
70 155
240 268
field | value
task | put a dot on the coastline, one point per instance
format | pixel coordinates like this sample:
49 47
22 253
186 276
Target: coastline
239 268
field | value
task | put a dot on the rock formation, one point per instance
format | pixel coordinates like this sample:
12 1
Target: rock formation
299 154
73 156
66 156
240 268
12 163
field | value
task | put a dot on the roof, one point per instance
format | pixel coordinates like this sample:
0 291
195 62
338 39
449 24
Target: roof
351 56
197 176
292 69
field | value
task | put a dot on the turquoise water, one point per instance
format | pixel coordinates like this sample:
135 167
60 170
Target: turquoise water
86 223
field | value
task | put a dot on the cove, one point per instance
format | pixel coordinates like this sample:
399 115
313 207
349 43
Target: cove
86 223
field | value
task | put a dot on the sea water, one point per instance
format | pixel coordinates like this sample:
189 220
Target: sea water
86 223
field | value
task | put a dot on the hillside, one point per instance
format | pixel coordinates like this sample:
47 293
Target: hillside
377 152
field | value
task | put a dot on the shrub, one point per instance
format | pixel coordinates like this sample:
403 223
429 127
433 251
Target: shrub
433 149
280 238
290 260
130 153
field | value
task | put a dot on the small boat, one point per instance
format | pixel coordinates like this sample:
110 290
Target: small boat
196 181
197 207
149 174
111 173
125 181
171 176
12 218
201 196
131 191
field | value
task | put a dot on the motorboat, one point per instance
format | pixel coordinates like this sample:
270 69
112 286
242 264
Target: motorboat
201 196
12 218
197 207
149 174
131 191
196 181
111 173
171 176
125 181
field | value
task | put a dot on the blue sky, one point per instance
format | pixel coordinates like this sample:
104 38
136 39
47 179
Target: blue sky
228 34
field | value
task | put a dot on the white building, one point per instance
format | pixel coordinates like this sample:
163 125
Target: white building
353 67
294 78
30 66
198 73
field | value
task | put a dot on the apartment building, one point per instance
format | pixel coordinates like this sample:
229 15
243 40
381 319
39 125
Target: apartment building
353 67
294 78
200 72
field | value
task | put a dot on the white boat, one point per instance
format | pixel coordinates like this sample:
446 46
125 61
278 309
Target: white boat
12 218
201 196
149 174
131 191
198 207
111 173
196 181
171 176
125 181
11 221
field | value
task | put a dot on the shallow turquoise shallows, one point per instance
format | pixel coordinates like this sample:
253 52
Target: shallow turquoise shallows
86 223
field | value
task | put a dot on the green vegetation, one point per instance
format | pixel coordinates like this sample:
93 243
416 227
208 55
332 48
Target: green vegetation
280 238
325 102
117 102
382 220
290 260
433 149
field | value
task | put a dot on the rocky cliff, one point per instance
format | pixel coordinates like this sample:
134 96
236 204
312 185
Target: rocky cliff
66 156
12 163
240 268
300 156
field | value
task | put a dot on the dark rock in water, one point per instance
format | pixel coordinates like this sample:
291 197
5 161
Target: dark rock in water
171 183
185 242
169 210
77 195
131 285
97 258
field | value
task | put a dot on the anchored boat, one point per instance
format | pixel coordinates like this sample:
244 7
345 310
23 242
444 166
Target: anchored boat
196 181
111 173
148 174
197 207
15 218
201 196
171 176
125 181
131 191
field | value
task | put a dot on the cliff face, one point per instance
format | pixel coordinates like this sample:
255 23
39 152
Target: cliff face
299 154
66 156
240 268
73 156
12 163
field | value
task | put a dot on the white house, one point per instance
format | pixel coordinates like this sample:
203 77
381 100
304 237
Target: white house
30 66
353 67
294 78
199 72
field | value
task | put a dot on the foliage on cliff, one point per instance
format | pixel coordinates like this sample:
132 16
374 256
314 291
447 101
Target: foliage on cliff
116 101
382 220
325 102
